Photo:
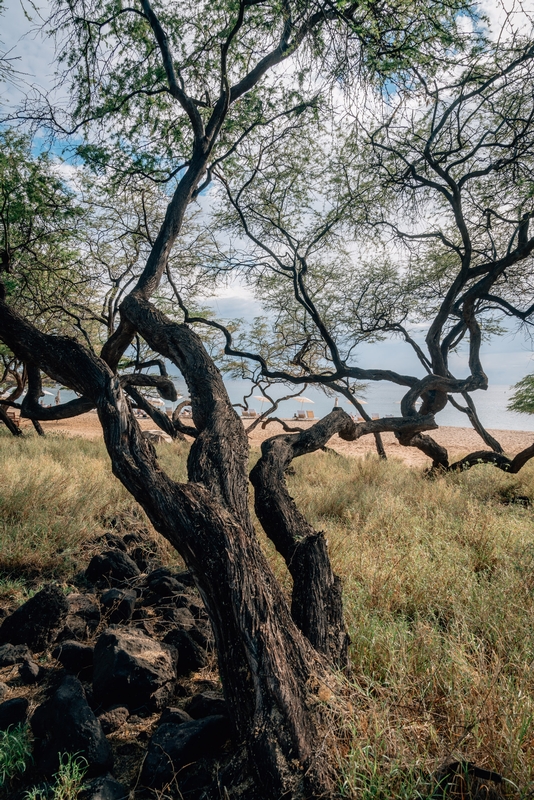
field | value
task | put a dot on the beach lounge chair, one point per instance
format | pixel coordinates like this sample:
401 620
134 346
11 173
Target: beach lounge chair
301 415
14 417
375 416
309 415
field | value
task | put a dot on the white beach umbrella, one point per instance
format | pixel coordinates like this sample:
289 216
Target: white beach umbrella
50 393
304 400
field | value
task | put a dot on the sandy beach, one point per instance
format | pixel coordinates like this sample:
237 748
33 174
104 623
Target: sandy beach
458 441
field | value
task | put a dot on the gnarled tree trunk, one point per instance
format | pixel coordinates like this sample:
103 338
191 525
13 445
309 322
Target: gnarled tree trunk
269 670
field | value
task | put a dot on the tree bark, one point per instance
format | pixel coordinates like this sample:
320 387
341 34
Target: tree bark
317 605
269 671
8 422
511 465
471 412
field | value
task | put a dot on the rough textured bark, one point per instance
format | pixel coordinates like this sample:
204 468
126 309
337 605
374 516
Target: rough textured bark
317 605
512 465
427 445
268 669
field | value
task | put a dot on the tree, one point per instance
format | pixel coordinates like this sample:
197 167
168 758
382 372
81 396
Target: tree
442 176
172 96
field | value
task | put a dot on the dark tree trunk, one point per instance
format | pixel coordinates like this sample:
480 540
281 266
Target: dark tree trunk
8 422
270 672
471 412
427 445
38 427
512 465
317 606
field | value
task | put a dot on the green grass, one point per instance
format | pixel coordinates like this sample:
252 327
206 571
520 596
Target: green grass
438 578
68 780
15 752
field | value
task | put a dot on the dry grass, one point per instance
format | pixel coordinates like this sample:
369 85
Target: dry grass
439 592
57 497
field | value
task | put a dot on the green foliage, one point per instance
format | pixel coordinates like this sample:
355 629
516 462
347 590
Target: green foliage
15 752
138 127
39 249
68 780
523 398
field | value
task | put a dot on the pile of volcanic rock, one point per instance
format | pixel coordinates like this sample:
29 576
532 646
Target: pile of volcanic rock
86 668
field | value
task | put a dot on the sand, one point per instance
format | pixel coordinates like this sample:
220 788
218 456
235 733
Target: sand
458 441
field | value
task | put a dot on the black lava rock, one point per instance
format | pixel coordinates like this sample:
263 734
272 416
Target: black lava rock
133 669
14 654
175 715
166 586
38 621
116 542
191 657
13 712
206 704
74 656
118 604
104 788
65 724
83 618
111 565
29 672
173 746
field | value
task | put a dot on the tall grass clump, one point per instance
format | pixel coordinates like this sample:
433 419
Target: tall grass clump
15 753
438 579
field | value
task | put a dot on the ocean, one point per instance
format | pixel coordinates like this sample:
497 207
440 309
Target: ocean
380 398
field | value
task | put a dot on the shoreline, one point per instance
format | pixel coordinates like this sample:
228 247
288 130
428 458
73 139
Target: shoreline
458 441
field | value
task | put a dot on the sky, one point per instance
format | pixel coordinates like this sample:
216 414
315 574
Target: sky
506 358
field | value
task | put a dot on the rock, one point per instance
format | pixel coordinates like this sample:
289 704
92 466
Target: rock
85 607
13 712
104 788
180 600
202 633
142 557
132 668
166 586
65 724
74 656
114 718
181 617
206 704
175 715
191 657
118 604
4 690
196 607
14 654
174 746
133 538
38 621
29 672
115 542
185 577
112 565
